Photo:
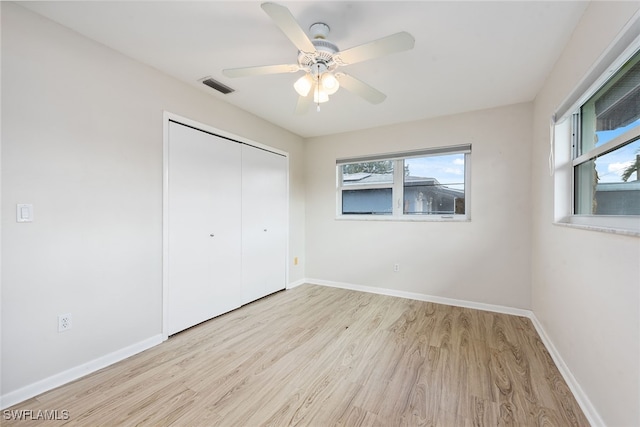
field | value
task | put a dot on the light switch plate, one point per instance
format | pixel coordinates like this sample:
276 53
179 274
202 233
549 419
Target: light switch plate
24 213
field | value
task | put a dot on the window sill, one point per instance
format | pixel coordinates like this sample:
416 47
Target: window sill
584 223
406 218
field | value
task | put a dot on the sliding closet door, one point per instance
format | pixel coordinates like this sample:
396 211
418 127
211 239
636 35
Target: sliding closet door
204 267
264 223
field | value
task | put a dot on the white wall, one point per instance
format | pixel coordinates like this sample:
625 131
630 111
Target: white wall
486 260
82 141
586 284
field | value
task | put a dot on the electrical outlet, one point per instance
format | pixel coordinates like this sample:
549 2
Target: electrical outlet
64 322
396 267
295 261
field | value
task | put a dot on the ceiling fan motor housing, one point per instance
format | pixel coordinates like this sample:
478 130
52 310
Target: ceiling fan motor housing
319 30
321 60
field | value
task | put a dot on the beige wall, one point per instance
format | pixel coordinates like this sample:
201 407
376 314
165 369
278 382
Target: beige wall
586 284
82 141
486 260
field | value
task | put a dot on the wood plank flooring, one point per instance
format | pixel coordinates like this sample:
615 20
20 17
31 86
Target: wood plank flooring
320 356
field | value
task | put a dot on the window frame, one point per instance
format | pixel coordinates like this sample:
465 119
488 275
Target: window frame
397 186
629 137
563 137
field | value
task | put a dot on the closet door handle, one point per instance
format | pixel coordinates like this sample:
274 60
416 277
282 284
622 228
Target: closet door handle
265 229
211 235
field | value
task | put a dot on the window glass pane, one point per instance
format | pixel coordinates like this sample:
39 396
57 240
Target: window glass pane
367 202
609 185
380 172
614 109
434 185
585 185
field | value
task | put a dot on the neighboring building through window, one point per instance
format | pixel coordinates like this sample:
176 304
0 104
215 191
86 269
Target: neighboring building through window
431 183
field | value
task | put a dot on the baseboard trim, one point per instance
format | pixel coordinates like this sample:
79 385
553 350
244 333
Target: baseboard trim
424 297
39 387
581 397
296 284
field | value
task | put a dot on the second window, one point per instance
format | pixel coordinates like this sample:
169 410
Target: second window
426 184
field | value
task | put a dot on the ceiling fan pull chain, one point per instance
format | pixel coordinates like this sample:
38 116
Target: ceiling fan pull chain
318 89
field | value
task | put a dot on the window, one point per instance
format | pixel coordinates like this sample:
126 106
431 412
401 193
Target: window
606 147
367 188
425 184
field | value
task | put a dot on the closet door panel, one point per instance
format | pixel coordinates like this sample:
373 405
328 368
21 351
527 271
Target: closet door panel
264 223
204 226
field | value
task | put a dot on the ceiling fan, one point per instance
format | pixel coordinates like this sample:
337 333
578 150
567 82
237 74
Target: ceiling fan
320 59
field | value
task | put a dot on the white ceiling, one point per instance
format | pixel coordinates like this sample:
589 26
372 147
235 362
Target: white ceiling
467 56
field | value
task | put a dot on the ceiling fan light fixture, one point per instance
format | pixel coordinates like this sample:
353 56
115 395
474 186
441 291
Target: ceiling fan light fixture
329 83
320 96
303 85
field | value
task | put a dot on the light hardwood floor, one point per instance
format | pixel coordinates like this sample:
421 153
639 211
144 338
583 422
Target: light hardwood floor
321 356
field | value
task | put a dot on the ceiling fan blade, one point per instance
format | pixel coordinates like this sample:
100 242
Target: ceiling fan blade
360 88
304 102
391 44
283 18
260 70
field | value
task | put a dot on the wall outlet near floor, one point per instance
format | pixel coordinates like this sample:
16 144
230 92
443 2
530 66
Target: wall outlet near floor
295 261
396 267
64 322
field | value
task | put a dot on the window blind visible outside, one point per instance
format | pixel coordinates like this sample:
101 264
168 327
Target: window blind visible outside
619 105
623 48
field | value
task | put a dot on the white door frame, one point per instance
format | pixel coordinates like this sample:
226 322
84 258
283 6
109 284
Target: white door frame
167 117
